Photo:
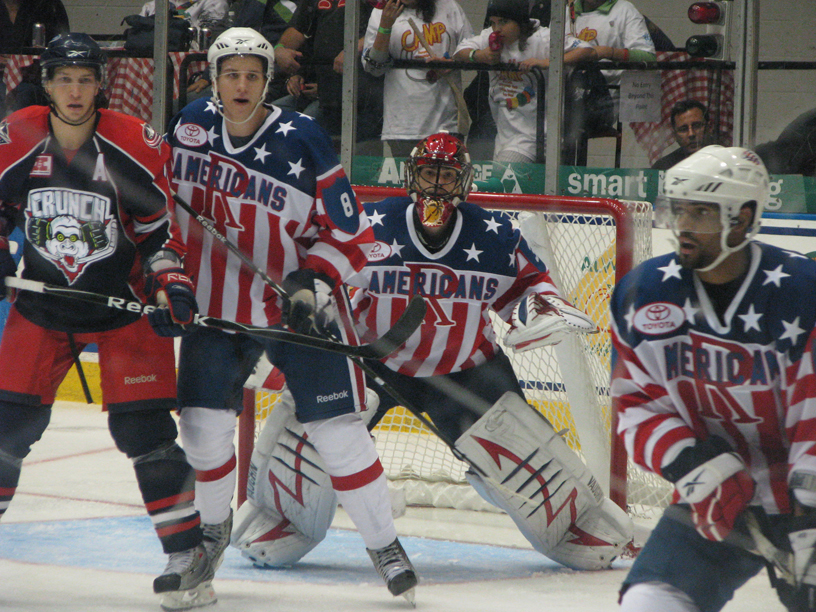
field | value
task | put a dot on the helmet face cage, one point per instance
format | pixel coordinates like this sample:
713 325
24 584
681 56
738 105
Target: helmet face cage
728 177
437 152
73 49
240 41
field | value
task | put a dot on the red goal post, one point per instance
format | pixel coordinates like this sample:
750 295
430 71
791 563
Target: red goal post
588 244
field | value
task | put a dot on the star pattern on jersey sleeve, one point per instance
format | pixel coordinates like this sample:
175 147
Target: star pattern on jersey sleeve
792 330
751 319
285 128
473 253
492 225
690 310
376 218
396 248
211 108
671 270
775 276
211 134
296 168
629 317
261 153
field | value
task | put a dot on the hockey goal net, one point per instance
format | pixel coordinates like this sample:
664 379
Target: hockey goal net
587 244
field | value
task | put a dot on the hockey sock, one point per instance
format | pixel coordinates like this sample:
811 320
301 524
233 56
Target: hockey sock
9 477
207 437
167 483
357 476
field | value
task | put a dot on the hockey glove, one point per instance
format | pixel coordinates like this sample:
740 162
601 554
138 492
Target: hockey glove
309 303
718 491
543 320
172 290
8 267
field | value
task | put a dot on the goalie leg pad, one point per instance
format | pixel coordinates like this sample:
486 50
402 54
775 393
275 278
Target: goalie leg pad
287 475
266 538
546 489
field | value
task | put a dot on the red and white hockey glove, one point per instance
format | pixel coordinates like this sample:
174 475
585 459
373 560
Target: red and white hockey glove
8 267
172 290
718 491
543 320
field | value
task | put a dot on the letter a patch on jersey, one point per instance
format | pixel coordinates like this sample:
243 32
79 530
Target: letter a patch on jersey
42 166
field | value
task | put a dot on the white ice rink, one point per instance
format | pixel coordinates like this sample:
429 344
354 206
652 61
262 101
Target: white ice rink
76 538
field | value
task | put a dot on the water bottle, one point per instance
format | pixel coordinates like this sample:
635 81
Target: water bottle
38 35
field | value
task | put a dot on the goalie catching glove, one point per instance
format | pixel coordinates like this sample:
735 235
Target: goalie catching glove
172 290
543 320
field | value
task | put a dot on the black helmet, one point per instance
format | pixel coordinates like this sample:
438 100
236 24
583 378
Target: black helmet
73 49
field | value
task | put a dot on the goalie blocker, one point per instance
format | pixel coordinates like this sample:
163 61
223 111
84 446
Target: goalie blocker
546 489
543 320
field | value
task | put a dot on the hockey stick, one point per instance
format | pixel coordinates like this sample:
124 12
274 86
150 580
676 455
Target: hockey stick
463 120
379 348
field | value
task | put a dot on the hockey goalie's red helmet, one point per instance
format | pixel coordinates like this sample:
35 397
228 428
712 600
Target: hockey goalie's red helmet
438 176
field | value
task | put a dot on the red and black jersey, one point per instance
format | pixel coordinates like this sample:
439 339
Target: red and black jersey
90 216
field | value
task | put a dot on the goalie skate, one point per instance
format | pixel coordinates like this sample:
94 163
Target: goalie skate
396 570
527 470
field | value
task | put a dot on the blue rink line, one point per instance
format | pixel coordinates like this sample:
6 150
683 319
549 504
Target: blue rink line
129 544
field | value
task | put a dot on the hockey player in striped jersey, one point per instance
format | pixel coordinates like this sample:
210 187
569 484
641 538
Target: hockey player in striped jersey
271 183
466 262
714 385
92 192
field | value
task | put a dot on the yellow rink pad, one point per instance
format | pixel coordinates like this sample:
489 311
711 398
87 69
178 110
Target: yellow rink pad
71 388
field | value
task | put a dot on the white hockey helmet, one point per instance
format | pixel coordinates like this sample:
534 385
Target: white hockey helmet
728 177
240 41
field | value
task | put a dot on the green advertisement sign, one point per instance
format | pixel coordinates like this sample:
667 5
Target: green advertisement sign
792 193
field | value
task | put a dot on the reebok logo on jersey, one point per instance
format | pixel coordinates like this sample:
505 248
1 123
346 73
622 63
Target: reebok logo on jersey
322 399
659 318
136 380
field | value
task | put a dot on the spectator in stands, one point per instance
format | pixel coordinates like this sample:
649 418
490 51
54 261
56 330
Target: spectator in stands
322 23
691 126
617 30
794 152
17 19
200 13
417 102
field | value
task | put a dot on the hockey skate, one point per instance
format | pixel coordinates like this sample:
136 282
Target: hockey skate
216 540
396 570
183 585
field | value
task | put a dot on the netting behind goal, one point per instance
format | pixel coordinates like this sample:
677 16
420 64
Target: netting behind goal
587 244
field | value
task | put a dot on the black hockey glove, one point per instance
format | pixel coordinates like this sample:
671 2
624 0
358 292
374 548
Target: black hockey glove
8 267
180 306
309 303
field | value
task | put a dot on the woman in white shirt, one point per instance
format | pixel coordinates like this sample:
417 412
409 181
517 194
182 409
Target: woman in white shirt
417 102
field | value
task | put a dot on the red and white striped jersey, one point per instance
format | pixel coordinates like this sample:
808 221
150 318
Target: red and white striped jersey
485 265
681 374
282 198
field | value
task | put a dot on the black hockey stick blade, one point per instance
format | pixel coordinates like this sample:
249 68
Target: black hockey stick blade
378 349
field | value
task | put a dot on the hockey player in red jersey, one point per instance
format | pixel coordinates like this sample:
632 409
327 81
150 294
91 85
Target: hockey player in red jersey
466 262
90 189
713 382
270 182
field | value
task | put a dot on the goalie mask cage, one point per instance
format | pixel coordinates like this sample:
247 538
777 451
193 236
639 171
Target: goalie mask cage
587 244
